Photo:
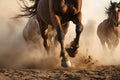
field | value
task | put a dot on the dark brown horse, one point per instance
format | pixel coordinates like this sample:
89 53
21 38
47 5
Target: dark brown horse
58 13
108 31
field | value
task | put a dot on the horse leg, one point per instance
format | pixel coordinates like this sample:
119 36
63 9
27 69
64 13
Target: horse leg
44 34
110 46
72 49
56 23
114 44
65 60
103 44
64 29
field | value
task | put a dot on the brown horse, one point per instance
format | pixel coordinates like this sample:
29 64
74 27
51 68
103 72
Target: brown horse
108 31
58 13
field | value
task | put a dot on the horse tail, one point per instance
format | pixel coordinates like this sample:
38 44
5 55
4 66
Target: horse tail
28 11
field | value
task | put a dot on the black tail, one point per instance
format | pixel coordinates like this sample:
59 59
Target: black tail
28 10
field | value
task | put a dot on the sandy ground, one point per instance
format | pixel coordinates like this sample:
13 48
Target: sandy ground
98 73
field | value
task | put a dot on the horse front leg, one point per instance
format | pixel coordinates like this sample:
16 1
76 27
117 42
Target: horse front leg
64 28
73 48
65 62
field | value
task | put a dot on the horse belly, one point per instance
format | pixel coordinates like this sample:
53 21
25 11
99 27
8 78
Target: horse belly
43 11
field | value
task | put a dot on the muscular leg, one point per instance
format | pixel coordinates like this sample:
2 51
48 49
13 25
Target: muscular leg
72 50
64 30
60 36
44 34
56 23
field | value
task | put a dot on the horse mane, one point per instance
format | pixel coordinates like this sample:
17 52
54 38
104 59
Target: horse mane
29 11
111 8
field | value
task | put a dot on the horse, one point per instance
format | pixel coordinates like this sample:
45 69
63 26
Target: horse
58 14
108 30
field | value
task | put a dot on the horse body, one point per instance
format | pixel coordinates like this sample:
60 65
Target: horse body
43 11
107 34
58 13
108 31
58 7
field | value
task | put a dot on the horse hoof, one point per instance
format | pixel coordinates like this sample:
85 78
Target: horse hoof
65 63
71 52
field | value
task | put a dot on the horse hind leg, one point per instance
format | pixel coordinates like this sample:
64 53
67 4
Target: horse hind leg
46 41
44 34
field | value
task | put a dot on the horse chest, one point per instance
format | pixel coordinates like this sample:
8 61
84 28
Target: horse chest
65 7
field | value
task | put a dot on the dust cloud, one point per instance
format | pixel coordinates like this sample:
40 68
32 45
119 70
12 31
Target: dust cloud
15 53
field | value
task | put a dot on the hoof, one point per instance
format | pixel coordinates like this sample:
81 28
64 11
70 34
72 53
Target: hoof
65 63
71 52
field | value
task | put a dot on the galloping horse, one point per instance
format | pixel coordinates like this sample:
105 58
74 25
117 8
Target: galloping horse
58 13
108 31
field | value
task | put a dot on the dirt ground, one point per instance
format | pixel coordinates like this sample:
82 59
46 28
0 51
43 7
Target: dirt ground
98 73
